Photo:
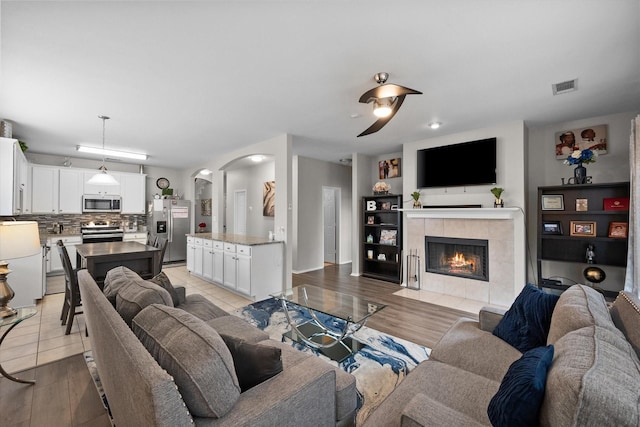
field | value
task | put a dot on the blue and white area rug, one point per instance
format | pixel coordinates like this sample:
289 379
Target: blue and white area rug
378 367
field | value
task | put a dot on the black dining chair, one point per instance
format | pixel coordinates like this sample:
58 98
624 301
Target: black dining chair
72 299
151 241
161 243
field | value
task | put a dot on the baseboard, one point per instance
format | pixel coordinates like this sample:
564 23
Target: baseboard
307 270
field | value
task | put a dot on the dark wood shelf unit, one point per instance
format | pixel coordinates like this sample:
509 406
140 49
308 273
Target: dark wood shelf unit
566 248
384 220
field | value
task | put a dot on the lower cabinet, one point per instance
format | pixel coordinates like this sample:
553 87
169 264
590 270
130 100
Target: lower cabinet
54 263
135 237
255 271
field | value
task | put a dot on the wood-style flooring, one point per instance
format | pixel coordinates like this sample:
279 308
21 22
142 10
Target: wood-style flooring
413 320
64 394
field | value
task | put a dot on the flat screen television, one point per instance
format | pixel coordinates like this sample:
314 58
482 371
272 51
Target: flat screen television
458 165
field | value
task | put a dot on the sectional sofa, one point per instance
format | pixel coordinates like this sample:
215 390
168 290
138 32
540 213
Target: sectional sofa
593 378
195 373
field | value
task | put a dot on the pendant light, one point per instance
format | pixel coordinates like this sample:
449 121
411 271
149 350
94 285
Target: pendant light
102 177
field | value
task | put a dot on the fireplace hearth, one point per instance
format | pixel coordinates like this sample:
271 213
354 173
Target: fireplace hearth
450 256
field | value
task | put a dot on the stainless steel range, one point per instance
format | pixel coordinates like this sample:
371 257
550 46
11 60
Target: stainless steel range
101 231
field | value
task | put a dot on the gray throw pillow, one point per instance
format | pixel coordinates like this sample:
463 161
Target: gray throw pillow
131 299
194 354
161 279
254 363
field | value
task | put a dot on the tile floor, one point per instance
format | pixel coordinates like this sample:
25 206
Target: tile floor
41 339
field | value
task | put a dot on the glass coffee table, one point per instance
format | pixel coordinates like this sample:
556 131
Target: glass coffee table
334 341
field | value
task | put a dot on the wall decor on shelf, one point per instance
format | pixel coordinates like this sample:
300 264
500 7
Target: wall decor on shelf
371 219
582 205
388 237
389 169
583 228
587 138
269 198
618 230
205 207
552 227
552 202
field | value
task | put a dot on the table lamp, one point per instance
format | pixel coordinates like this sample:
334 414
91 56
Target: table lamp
18 239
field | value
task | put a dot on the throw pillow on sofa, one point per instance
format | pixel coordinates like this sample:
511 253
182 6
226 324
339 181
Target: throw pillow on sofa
519 398
194 354
131 299
161 279
254 363
526 324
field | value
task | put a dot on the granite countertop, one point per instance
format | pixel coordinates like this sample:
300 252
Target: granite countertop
235 238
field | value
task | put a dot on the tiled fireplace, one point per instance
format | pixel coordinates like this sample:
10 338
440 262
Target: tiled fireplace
477 254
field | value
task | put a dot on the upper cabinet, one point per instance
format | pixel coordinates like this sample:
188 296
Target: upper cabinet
132 190
70 189
13 178
44 189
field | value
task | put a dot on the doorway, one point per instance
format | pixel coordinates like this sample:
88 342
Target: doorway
331 222
240 212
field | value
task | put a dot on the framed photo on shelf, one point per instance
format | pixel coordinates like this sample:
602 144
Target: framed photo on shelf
386 206
388 237
618 230
371 219
552 202
552 227
583 228
582 205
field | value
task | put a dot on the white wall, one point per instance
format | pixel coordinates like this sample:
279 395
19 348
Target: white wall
545 170
252 180
310 176
362 186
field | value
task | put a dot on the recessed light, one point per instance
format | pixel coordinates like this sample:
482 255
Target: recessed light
435 125
205 172
354 115
256 158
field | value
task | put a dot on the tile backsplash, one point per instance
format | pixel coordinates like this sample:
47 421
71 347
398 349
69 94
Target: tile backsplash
72 223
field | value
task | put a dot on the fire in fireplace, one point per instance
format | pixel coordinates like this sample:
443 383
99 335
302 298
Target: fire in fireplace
457 257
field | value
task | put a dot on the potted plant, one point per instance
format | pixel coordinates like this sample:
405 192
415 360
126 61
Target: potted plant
416 199
497 192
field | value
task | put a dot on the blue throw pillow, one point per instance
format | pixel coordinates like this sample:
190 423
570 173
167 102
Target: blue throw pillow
526 324
519 398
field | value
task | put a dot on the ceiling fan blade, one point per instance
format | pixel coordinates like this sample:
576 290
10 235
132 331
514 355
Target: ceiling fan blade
387 90
381 122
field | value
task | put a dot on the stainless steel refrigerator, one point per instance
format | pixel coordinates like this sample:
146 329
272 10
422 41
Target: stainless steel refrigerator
170 219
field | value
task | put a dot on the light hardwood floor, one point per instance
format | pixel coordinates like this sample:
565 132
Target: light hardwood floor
41 340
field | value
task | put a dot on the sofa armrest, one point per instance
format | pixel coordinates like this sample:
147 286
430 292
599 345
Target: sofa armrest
489 317
299 394
423 411
182 293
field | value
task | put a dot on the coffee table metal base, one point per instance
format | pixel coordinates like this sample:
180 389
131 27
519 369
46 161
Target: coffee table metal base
312 332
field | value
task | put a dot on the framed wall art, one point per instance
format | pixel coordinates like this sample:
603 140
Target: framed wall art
269 199
583 228
552 227
618 230
552 202
389 168
591 137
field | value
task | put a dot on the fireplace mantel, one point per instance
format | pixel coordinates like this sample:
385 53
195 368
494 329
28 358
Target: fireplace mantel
464 213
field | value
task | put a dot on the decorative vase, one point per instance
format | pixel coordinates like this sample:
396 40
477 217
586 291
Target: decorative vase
498 203
580 174
417 204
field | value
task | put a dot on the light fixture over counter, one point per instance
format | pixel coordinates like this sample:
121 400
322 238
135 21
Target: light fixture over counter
111 153
102 177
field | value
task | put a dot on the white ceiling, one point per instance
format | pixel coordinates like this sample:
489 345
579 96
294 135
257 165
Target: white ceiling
184 81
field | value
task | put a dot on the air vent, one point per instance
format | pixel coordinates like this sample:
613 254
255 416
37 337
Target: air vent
564 87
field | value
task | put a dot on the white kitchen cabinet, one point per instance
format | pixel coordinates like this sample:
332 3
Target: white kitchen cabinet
218 261
70 191
191 253
13 178
103 190
135 237
132 191
207 259
44 189
54 263
230 266
243 257
197 264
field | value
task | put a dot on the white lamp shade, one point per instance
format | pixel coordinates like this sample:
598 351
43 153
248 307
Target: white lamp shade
102 178
19 239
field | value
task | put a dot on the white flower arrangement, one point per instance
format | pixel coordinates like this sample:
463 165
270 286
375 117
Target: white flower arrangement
381 187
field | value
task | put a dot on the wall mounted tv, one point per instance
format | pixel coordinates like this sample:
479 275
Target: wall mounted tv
458 165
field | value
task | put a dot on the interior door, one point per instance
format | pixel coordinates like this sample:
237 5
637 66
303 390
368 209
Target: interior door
330 224
240 212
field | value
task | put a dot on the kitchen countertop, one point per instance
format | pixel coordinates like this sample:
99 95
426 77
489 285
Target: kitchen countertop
235 238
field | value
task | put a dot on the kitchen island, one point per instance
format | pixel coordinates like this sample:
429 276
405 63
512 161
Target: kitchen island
250 266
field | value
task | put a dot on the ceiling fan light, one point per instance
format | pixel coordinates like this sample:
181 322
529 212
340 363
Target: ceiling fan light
382 107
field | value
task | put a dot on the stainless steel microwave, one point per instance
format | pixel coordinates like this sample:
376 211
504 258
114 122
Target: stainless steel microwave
98 203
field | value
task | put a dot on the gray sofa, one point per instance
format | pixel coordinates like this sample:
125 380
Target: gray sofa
308 391
593 380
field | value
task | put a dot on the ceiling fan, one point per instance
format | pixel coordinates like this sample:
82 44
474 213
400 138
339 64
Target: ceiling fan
387 99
